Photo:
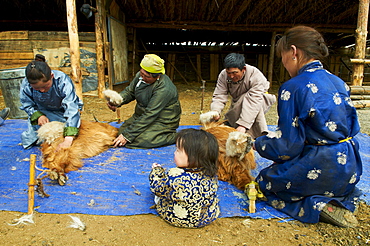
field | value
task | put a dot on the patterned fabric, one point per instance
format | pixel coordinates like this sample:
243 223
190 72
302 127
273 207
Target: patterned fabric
157 113
187 197
60 103
316 160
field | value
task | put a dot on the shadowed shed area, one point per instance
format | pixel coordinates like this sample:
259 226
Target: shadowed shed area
219 21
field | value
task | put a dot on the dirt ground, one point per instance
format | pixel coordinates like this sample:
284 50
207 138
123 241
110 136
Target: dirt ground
53 229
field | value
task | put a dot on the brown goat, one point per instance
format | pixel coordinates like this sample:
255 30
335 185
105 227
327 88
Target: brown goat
236 159
93 139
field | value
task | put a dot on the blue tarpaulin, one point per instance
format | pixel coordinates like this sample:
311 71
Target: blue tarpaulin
116 181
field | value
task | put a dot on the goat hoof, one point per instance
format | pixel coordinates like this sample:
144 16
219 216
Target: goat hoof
53 175
62 180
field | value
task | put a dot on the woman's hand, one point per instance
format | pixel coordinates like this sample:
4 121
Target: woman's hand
120 141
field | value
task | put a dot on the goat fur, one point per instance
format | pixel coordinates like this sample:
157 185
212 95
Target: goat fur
208 117
93 139
235 159
113 97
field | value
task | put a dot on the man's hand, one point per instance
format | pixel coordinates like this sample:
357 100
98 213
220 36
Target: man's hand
241 129
111 107
120 141
42 120
209 117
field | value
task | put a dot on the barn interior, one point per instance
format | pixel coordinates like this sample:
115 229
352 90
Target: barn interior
192 36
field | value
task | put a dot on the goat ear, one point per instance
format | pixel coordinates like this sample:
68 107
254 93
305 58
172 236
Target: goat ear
242 140
249 144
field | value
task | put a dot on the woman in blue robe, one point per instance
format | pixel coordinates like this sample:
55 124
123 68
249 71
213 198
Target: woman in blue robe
316 159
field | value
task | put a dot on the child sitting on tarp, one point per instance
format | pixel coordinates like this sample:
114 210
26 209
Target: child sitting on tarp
186 196
49 95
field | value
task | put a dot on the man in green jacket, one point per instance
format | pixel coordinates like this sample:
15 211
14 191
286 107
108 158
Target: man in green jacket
157 111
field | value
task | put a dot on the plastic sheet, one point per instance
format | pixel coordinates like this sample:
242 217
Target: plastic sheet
116 181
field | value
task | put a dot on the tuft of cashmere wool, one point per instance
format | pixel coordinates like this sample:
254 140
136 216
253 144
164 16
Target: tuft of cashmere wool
113 97
208 117
50 131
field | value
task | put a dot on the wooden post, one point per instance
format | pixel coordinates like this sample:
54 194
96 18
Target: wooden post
364 61
203 89
178 72
134 52
74 46
170 71
361 34
271 58
106 43
31 184
100 48
213 68
199 64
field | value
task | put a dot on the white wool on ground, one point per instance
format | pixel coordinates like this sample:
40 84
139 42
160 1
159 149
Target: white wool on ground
28 218
77 223
208 117
113 97
50 131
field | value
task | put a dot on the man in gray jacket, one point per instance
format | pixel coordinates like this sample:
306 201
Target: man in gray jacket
248 88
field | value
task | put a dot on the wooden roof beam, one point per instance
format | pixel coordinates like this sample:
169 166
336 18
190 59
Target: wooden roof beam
252 28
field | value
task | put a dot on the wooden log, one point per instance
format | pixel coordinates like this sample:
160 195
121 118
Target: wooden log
16 55
213 67
100 48
271 57
46 35
361 104
203 90
197 72
170 71
13 35
26 45
360 97
74 46
182 76
134 53
360 90
219 26
361 34
107 58
31 184
364 61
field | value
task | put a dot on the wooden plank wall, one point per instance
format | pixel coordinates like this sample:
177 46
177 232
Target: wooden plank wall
17 47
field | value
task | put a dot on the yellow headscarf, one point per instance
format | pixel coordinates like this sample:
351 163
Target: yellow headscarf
152 64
